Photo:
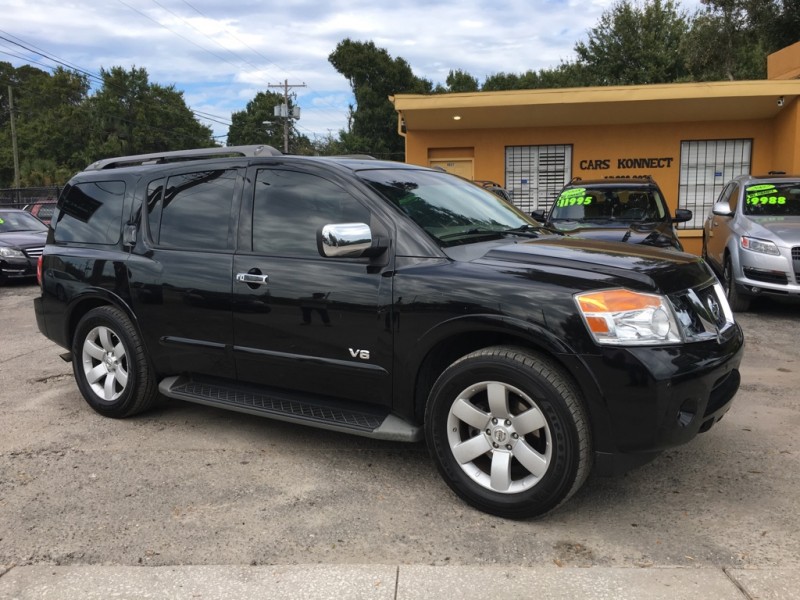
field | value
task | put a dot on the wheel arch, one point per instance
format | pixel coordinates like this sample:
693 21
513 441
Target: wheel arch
90 300
456 338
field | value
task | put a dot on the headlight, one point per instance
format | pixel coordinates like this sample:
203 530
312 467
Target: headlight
761 246
11 252
626 318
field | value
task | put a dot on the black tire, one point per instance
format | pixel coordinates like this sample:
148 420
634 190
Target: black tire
520 464
110 365
738 301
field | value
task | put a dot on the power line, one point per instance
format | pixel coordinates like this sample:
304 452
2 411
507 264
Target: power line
337 111
38 51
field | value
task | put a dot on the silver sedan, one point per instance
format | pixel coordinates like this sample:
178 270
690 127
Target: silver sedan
752 238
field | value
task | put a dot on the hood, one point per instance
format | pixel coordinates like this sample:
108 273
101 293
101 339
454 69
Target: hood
786 229
659 234
23 239
613 262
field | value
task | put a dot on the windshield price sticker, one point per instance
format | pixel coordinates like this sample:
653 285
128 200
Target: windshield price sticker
764 194
574 196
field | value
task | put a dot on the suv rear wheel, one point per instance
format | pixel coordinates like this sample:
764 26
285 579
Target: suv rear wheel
509 432
110 364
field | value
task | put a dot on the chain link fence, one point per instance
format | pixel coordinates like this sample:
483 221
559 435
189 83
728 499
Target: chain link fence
22 197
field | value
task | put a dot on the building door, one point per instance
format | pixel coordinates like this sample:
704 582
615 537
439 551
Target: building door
463 167
536 174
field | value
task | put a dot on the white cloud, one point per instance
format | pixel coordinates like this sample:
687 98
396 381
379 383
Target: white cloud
222 54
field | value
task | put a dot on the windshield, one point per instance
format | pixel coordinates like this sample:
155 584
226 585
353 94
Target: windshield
609 204
452 210
780 199
19 221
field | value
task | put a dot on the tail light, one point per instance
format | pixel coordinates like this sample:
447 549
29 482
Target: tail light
39 270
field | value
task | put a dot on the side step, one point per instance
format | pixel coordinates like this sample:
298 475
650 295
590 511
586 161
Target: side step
283 407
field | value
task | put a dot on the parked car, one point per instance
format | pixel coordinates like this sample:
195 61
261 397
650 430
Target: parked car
385 300
22 239
495 188
42 209
626 210
752 238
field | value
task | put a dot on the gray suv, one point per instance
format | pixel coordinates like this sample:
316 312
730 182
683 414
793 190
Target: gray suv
752 238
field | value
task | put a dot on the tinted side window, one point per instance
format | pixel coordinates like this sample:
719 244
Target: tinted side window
91 213
289 207
194 210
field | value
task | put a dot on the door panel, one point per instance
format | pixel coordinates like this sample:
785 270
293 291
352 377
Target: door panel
181 271
314 324
720 228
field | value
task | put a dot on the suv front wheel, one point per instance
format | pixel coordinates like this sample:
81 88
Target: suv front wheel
738 301
110 364
509 432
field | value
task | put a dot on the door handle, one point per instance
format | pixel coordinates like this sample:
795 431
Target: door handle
252 278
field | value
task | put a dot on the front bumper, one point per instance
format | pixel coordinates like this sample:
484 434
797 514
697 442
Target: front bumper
759 273
651 399
17 267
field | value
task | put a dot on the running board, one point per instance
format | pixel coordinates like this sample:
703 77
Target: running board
283 407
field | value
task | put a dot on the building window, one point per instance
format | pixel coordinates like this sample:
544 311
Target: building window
536 174
706 166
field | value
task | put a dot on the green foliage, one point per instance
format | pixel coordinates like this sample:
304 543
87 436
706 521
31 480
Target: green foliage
730 39
374 75
636 44
257 123
132 116
564 75
61 129
461 81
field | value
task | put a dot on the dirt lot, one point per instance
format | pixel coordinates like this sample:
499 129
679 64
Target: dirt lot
187 484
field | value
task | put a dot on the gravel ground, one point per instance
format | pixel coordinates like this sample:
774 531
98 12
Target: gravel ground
192 485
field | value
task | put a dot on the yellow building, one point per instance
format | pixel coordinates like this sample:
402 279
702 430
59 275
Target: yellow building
690 137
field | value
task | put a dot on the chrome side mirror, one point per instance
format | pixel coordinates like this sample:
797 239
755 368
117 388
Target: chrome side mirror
722 208
344 240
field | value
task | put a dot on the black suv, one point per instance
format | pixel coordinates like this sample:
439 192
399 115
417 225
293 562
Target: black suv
625 210
385 300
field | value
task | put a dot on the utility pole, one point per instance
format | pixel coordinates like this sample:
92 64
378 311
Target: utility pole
284 111
13 136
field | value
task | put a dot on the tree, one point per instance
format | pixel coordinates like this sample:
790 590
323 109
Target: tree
257 124
374 75
51 123
783 24
132 116
567 74
461 81
636 44
730 39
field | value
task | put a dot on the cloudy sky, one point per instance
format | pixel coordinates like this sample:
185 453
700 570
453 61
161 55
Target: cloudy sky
220 54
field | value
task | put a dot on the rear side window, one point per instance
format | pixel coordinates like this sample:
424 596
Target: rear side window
91 213
192 210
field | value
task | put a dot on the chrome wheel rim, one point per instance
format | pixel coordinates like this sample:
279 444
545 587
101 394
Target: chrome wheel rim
105 363
499 437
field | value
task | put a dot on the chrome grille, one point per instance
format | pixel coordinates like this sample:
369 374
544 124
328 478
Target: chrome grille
703 312
796 263
34 252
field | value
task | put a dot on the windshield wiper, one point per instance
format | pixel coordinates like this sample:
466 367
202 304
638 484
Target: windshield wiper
525 230
473 231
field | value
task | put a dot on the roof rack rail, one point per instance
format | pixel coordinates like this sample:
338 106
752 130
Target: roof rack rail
155 158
